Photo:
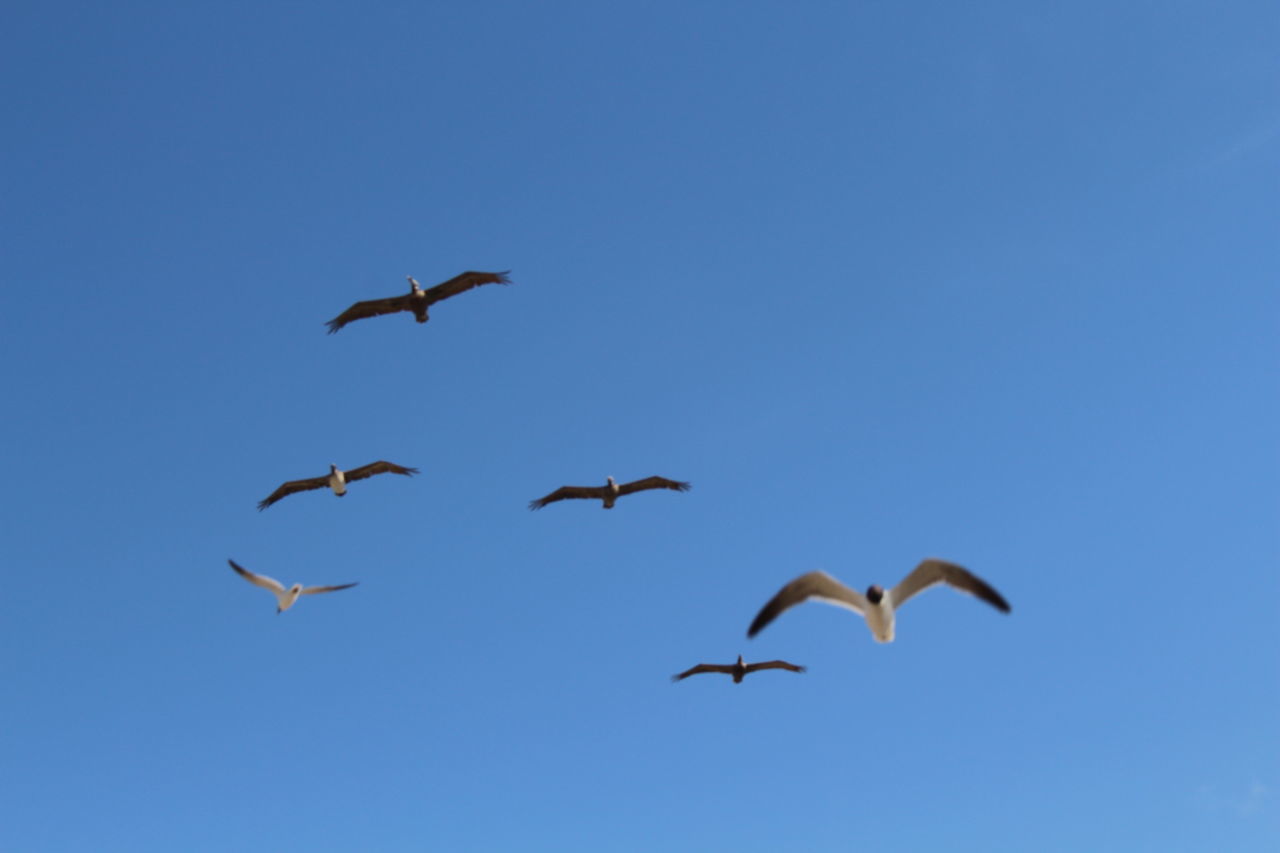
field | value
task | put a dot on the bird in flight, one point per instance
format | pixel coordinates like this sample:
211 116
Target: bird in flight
336 479
284 597
416 300
738 670
877 606
609 492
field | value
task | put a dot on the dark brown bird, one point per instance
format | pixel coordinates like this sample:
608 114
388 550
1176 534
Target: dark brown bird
417 300
738 670
610 491
335 479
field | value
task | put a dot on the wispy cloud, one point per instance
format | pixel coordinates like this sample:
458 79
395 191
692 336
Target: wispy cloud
1250 801
1249 142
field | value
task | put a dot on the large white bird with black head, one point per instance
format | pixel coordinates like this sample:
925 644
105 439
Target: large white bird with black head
878 605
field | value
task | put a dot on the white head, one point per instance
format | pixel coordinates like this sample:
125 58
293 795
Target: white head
610 481
413 284
333 469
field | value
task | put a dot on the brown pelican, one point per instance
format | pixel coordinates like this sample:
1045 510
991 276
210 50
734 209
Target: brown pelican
335 479
284 597
610 491
738 670
877 606
417 300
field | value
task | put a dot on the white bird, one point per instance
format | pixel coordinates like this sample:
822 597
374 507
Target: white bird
877 606
284 597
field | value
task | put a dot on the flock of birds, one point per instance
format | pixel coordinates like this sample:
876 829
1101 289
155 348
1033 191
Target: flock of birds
877 605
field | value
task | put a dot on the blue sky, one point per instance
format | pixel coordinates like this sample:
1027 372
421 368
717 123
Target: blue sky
883 280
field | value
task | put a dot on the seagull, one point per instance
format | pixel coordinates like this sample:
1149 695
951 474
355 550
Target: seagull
417 300
284 597
335 479
737 670
877 606
610 491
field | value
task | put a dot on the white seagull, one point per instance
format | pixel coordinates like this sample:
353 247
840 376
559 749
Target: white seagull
877 606
284 597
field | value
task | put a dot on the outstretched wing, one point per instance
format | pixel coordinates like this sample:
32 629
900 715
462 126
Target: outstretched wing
370 308
706 667
312 590
291 487
466 281
258 580
931 572
379 467
565 492
652 483
819 585
774 664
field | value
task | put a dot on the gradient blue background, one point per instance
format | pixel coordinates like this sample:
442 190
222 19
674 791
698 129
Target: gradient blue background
883 280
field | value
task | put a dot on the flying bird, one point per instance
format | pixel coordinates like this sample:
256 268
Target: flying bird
738 670
609 492
416 300
878 605
335 479
284 597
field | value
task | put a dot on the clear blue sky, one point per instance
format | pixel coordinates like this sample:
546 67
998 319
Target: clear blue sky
883 280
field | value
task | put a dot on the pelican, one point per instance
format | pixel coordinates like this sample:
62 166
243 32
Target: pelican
417 300
284 597
610 491
336 479
877 606
738 670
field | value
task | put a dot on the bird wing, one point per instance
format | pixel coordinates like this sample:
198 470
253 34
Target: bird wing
369 308
931 572
569 492
774 664
291 487
464 282
379 467
258 580
819 585
652 483
705 667
312 590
